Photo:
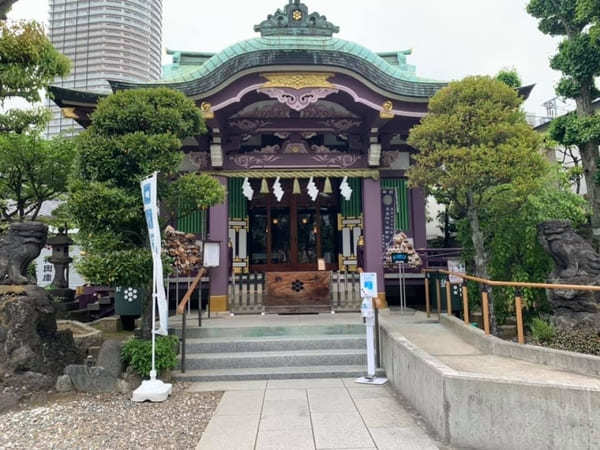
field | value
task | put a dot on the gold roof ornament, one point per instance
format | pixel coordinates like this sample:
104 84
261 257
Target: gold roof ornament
297 80
69 113
206 110
387 111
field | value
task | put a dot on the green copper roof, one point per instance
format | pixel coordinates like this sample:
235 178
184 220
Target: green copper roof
187 72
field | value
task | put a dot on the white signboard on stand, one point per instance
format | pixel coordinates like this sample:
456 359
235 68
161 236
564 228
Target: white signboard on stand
368 285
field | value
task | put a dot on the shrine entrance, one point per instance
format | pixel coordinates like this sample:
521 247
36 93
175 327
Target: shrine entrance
292 234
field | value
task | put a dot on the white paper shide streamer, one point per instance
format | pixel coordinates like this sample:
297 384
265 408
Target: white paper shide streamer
278 189
247 189
345 189
313 191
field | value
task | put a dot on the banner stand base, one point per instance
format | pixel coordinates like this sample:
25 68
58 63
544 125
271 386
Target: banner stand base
152 390
375 381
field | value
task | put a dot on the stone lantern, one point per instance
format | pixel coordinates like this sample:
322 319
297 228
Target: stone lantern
61 260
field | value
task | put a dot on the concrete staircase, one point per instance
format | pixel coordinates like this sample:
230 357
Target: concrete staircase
274 352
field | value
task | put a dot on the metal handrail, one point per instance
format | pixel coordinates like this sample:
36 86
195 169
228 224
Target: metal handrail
485 299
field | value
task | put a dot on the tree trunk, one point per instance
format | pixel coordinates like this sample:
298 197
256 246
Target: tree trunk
589 160
481 256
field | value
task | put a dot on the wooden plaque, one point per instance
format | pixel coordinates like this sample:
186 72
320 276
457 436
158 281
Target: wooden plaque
298 292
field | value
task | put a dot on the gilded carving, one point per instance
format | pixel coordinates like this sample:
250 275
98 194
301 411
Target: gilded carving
207 112
387 111
69 113
297 80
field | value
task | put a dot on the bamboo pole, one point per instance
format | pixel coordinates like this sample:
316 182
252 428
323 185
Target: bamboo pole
519 311
518 284
191 289
486 312
427 299
439 298
465 292
448 298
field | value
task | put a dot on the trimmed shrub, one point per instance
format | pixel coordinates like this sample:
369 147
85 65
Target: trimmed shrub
137 353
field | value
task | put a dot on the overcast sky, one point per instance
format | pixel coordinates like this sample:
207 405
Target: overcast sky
451 39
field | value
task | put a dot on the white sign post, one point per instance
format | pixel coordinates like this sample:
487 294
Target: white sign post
154 390
368 291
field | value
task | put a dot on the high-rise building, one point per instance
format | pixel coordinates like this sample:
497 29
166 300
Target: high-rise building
104 39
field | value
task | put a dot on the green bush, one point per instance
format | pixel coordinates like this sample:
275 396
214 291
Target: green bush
137 353
542 331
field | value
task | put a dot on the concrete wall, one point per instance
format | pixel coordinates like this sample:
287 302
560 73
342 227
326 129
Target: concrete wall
574 362
484 412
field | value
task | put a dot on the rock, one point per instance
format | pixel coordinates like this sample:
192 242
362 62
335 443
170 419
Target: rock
576 262
32 341
124 387
84 335
110 358
34 381
91 379
132 378
64 384
21 245
8 400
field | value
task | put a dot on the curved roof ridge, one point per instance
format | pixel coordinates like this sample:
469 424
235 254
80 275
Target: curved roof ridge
402 72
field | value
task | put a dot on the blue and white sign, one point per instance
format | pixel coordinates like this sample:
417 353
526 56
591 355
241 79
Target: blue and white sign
368 285
150 199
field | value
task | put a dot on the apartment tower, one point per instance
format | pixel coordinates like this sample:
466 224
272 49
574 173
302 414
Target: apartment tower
104 39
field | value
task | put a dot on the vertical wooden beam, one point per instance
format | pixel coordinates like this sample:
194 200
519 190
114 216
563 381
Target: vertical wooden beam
439 298
448 298
486 311
519 310
427 299
465 292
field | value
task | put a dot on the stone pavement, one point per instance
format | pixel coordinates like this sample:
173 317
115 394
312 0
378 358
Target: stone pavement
313 414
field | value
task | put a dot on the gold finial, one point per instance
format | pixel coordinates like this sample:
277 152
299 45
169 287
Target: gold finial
387 111
207 112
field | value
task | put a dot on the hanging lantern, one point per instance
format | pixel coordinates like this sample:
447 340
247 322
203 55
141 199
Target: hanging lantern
327 189
296 189
264 187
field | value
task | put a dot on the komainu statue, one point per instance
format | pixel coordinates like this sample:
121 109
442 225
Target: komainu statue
576 262
21 245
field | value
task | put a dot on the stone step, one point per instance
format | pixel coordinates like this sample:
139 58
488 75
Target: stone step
297 358
93 306
274 373
266 344
265 331
106 300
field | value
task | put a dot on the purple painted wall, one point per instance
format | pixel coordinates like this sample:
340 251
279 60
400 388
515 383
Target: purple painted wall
373 229
218 231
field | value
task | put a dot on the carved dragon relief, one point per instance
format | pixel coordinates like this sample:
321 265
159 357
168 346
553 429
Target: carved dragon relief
319 155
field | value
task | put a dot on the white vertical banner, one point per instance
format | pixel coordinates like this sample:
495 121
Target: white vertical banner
150 198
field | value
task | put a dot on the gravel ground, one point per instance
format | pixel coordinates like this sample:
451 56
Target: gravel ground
110 421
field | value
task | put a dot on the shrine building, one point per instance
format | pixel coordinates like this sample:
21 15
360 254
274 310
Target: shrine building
308 133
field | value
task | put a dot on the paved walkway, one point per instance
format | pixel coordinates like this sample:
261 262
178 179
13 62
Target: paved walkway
310 414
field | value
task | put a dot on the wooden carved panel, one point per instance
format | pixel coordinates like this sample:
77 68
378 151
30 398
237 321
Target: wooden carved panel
298 292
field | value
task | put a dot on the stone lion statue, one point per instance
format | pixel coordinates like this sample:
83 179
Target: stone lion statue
576 262
21 245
